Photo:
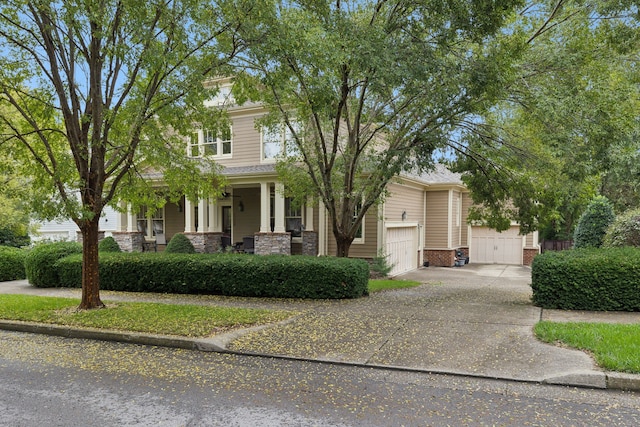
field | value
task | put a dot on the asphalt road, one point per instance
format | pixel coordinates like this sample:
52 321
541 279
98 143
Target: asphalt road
52 381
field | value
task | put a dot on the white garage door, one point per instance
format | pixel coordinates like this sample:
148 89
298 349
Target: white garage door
402 249
490 247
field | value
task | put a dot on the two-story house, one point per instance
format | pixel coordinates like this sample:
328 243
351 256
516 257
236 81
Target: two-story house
423 219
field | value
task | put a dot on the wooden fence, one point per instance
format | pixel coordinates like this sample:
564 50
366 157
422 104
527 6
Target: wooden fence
556 245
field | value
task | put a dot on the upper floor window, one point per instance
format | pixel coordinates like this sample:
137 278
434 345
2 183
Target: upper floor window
211 142
279 140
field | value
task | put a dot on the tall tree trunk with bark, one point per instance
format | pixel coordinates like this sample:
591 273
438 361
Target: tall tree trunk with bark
90 264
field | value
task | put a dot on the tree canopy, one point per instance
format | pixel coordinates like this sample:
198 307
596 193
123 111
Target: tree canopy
370 89
94 94
567 129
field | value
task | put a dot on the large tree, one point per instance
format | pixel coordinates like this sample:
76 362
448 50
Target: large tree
568 128
94 92
368 89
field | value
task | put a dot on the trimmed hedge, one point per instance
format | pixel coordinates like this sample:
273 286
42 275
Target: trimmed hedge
180 244
12 263
272 276
587 279
109 244
40 262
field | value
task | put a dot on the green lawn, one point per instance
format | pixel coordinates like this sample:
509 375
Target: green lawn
156 318
166 319
615 347
385 284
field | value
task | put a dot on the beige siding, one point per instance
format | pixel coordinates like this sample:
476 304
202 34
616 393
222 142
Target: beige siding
245 147
404 199
529 240
466 204
456 219
173 220
436 227
368 249
247 222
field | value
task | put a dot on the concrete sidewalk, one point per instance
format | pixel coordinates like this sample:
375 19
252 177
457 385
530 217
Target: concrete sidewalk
474 320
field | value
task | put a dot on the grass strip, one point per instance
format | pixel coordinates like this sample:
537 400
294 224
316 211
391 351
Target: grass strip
156 318
377 285
615 347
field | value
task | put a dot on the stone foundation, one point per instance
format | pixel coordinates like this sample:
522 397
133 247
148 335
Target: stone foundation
129 241
310 243
272 243
528 255
205 242
79 236
440 257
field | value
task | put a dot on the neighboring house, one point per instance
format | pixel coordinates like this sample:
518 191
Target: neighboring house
68 230
423 218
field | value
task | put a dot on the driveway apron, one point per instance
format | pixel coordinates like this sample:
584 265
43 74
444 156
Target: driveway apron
473 320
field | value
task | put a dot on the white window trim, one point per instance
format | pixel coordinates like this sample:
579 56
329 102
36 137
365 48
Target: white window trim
149 233
219 145
360 240
283 129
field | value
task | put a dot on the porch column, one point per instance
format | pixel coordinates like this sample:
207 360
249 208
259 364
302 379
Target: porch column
309 236
132 220
322 229
213 217
189 223
279 226
122 223
202 215
308 220
265 207
126 234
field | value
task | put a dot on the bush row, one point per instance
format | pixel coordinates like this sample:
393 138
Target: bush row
274 276
40 262
588 279
12 263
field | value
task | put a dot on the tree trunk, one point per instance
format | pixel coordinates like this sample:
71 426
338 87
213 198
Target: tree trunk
342 246
90 271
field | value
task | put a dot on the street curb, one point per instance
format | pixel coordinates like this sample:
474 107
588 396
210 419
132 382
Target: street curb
217 344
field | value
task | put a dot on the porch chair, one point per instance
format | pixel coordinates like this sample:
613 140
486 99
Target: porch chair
248 244
226 242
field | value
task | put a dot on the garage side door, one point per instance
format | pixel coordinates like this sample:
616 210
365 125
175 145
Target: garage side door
402 249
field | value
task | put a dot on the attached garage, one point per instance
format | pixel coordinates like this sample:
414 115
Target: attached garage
402 248
491 247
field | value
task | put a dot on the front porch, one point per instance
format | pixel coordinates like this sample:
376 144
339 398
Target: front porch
249 214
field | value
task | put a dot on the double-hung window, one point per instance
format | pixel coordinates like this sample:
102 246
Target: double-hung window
215 142
279 140
150 225
292 218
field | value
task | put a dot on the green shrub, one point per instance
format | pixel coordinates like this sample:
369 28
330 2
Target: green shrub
108 244
274 276
593 223
180 244
587 279
40 262
13 238
12 263
624 231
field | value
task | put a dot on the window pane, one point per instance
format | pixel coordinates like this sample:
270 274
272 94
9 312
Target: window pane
210 143
225 138
194 150
290 143
272 143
